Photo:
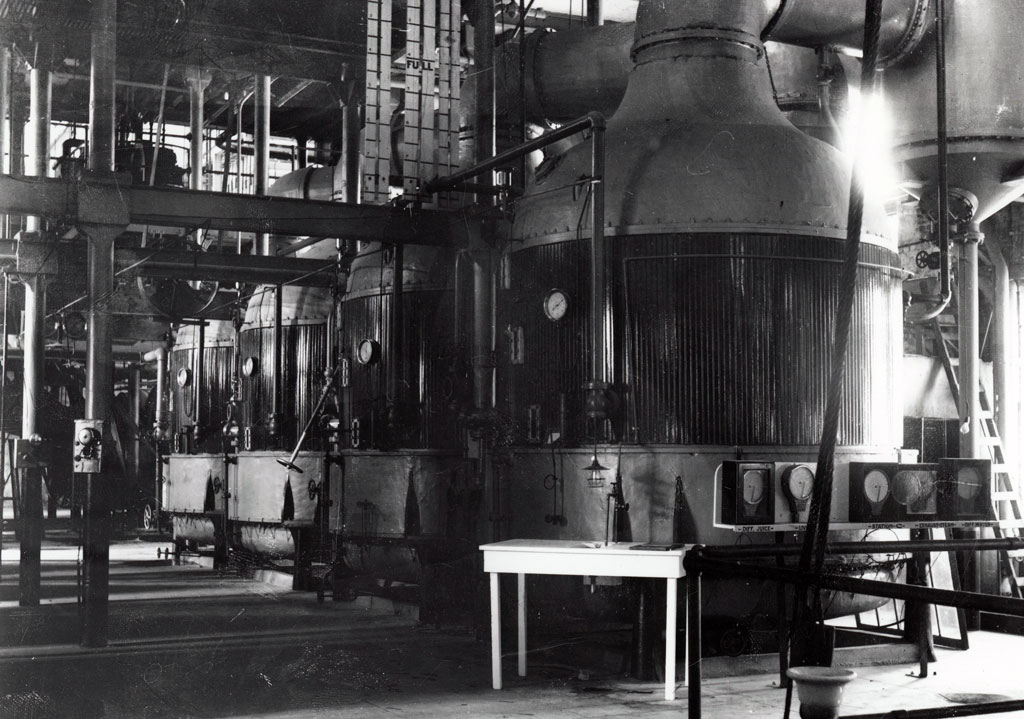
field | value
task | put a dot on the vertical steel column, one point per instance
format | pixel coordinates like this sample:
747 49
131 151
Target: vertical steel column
35 316
261 149
970 346
483 271
99 362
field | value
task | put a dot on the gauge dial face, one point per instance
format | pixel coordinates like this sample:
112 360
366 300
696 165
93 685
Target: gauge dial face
556 304
912 486
968 483
184 377
753 486
876 486
249 366
800 481
368 352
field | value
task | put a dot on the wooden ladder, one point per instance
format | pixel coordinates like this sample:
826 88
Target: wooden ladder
1006 498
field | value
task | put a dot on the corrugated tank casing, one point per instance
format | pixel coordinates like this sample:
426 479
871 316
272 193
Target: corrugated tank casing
218 363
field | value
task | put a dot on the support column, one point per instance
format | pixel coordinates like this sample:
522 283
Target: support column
970 345
31 479
261 149
99 362
5 135
198 81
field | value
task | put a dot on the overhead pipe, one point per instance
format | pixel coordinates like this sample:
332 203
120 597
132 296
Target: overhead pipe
261 148
99 363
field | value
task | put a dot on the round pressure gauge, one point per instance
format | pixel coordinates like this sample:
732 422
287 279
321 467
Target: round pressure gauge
184 377
249 366
753 489
368 352
799 482
556 304
968 483
876 487
912 486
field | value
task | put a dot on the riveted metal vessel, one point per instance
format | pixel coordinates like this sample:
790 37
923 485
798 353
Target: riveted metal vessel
207 408
724 229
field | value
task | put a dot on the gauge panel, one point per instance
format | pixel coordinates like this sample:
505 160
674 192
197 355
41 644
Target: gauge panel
965 489
915 486
748 492
872 490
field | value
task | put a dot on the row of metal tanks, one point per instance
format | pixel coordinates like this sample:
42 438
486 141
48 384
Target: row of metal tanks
725 228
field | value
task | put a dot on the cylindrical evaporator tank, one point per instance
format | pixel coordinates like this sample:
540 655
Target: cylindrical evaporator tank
304 341
430 377
200 392
985 104
725 229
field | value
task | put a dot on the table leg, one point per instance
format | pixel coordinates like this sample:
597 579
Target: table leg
672 587
495 632
521 604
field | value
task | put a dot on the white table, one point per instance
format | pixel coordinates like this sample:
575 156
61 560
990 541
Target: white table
579 558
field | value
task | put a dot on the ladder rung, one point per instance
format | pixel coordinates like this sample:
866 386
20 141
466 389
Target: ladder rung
1005 495
986 414
994 441
1000 468
1015 553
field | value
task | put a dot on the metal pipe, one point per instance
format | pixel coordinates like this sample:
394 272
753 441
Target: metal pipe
31 480
5 105
870 587
954 710
753 551
587 122
135 397
261 149
162 417
1004 354
158 140
942 147
396 335
350 151
197 82
102 75
39 130
198 384
970 360
595 13
600 296
693 637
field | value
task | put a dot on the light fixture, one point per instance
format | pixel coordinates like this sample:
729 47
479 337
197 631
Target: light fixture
595 478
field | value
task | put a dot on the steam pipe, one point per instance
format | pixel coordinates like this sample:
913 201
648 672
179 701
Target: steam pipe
197 83
595 13
5 110
350 151
161 420
753 551
970 350
942 146
952 710
261 148
135 397
1004 352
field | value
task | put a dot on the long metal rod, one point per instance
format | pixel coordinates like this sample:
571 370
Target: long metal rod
261 149
953 710
396 379
277 379
588 121
99 362
969 346
749 551
4 444
5 124
1004 352
196 97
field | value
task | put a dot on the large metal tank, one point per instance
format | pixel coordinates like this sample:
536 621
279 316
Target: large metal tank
200 391
985 112
725 228
403 499
304 327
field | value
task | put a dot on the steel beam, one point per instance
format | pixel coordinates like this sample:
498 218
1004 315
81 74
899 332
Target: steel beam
173 207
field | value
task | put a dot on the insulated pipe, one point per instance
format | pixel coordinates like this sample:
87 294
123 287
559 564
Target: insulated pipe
161 420
39 130
1004 355
970 349
261 148
350 151
32 482
99 362
197 83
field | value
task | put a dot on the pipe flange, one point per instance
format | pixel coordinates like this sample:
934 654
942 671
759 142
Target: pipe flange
916 29
699 34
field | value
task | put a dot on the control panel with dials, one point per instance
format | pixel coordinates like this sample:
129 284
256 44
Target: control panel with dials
748 492
871 495
965 488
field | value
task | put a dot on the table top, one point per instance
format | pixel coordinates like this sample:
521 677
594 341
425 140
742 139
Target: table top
580 557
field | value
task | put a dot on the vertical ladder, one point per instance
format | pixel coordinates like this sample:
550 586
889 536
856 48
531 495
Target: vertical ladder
1006 498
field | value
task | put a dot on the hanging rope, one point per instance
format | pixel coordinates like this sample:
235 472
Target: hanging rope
812 556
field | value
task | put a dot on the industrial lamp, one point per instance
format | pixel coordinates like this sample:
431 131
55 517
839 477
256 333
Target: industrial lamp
595 478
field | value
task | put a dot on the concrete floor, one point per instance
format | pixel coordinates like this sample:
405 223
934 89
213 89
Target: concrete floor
189 642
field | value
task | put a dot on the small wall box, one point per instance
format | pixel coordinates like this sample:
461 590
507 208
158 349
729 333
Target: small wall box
871 496
965 489
748 492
